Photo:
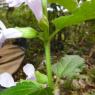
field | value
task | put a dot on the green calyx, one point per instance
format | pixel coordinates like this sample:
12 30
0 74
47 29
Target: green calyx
28 32
43 24
41 78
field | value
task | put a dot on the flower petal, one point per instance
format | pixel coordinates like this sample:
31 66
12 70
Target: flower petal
6 80
2 26
14 3
29 70
12 33
2 38
8 33
36 7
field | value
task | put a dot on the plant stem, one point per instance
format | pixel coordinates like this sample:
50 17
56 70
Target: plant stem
48 64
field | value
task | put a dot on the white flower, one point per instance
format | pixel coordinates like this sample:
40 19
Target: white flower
11 33
29 70
36 7
8 33
2 26
6 80
2 38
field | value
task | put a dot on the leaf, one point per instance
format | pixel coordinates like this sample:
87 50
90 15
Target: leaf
68 66
23 88
68 4
45 91
84 12
27 88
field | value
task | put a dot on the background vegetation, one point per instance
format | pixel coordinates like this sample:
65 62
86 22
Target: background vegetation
78 39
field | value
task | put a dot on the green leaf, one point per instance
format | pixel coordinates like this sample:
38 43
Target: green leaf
68 66
71 5
27 88
28 32
85 12
45 91
41 78
23 88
